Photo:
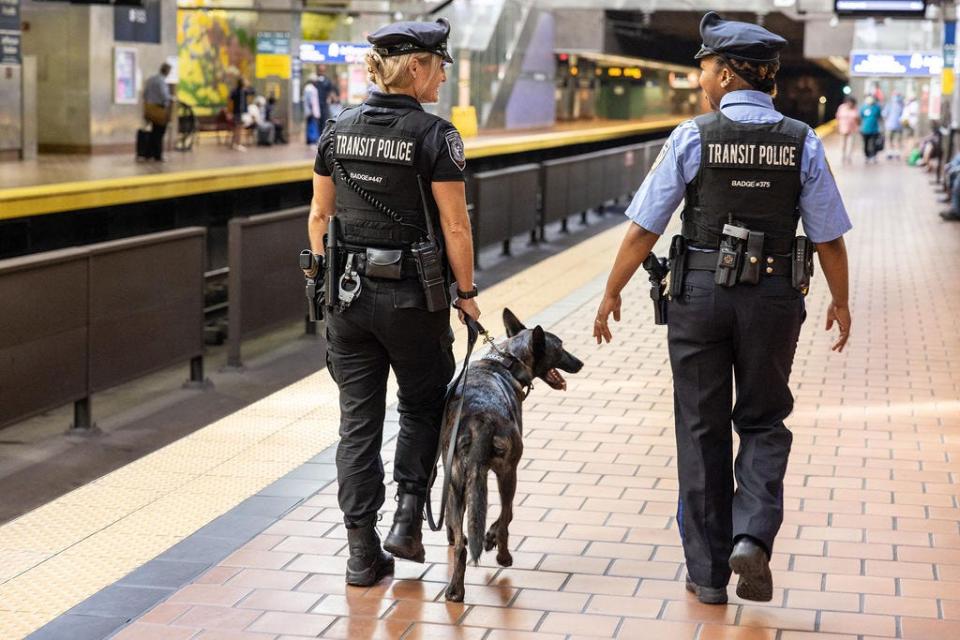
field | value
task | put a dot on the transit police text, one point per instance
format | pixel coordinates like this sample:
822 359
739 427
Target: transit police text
375 148
753 155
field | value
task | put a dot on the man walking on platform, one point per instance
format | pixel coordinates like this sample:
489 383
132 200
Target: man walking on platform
156 109
738 276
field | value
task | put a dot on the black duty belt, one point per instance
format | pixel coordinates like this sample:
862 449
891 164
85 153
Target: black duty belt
775 265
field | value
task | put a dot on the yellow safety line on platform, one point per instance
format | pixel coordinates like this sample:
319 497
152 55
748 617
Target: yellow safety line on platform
20 202
65 551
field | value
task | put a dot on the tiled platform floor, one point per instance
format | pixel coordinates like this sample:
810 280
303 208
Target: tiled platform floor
871 543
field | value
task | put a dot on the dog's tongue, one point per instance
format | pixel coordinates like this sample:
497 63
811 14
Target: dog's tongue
555 380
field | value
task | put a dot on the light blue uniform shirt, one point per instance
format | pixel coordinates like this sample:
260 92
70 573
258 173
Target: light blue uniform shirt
821 208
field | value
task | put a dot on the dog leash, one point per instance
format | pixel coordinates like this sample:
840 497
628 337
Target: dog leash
474 330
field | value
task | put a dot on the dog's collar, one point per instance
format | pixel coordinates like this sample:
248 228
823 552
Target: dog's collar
519 372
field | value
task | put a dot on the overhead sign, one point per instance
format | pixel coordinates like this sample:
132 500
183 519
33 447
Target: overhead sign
903 8
9 31
882 63
273 42
333 52
137 24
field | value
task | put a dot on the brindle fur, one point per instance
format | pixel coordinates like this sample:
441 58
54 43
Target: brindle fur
491 438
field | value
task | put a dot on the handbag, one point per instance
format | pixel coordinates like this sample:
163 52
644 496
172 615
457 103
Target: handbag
879 142
156 113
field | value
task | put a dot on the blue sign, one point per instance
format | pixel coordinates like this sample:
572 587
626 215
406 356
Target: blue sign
880 63
333 52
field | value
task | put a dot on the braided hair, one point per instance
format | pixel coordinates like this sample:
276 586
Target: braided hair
762 76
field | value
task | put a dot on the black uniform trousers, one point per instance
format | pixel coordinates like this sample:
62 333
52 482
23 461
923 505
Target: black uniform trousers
387 327
718 335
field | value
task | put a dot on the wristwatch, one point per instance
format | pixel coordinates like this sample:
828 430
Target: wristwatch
466 295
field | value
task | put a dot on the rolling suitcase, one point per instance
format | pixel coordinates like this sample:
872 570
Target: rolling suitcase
143 143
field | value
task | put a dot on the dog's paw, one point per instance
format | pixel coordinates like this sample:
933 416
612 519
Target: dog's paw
490 540
504 559
454 593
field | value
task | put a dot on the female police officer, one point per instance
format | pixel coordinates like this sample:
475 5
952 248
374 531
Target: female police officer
746 174
382 171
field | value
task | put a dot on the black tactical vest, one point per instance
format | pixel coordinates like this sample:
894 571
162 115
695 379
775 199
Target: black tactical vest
378 150
749 173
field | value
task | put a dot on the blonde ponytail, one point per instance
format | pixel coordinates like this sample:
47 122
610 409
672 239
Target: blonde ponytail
392 73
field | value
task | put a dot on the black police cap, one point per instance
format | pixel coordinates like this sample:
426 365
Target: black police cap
412 37
738 40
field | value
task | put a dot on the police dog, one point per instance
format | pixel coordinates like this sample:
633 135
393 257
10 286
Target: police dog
491 437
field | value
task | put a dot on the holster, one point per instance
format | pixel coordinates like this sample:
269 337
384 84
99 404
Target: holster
678 265
802 264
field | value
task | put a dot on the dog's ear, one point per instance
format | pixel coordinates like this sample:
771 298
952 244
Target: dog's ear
511 323
539 343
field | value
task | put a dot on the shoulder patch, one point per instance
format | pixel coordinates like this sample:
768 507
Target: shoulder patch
660 156
455 146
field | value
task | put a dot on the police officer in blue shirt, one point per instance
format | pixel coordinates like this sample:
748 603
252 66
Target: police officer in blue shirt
747 175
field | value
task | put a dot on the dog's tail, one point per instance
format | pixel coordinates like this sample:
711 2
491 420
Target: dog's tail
478 462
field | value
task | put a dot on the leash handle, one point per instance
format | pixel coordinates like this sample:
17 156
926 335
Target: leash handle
474 329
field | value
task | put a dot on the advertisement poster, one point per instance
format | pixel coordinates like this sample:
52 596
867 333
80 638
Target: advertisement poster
125 75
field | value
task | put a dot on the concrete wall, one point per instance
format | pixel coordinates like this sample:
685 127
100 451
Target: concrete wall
59 36
74 49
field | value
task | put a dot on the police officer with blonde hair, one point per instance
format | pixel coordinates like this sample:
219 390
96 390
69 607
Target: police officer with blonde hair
747 175
389 190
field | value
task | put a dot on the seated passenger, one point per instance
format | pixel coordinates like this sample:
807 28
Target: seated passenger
931 148
263 128
272 117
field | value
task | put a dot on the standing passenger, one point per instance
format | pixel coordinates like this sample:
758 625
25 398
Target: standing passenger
369 168
893 125
156 107
311 109
744 171
847 119
870 127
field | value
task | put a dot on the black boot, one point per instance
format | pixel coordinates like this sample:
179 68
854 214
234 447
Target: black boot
749 560
368 563
707 595
405 539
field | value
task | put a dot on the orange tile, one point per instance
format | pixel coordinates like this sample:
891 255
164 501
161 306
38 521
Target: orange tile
550 600
164 613
418 611
692 611
267 579
580 623
147 631
901 605
721 632
625 606
209 594
303 624
655 629
427 631
503 618
602 585
926 629
858 623
207 617
366 628
825 600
